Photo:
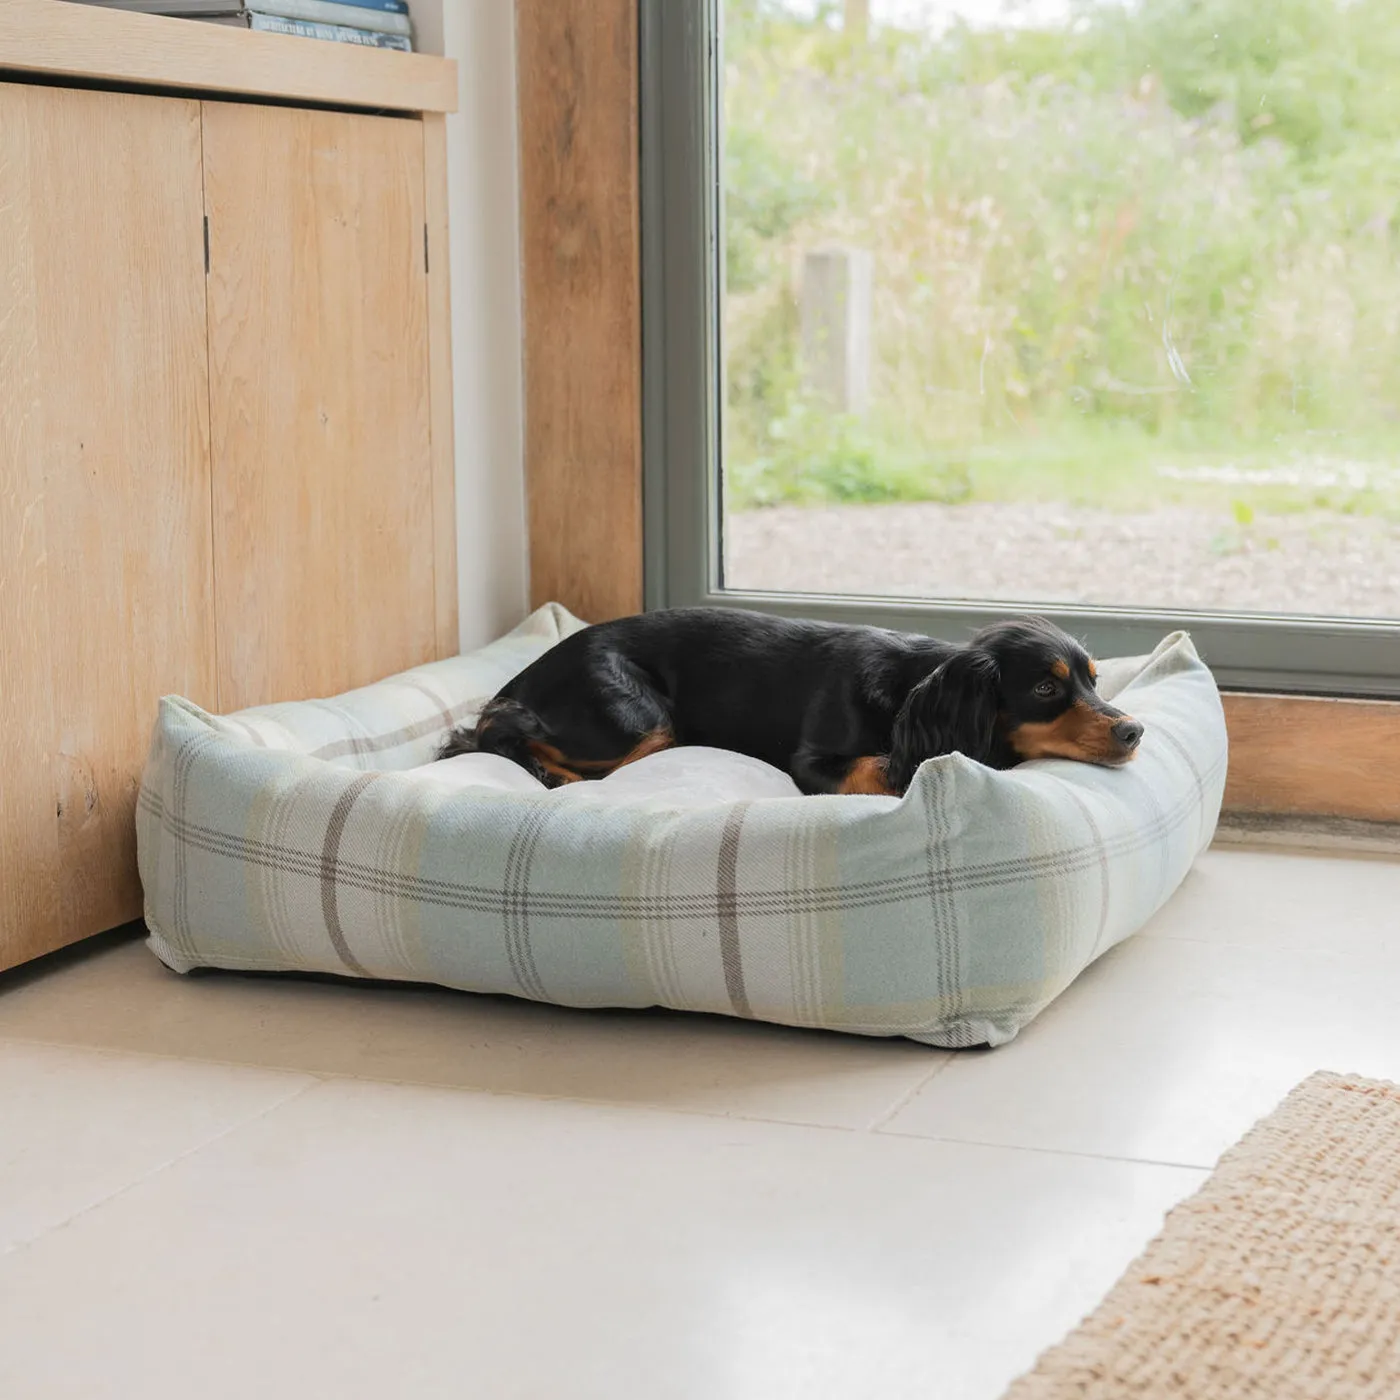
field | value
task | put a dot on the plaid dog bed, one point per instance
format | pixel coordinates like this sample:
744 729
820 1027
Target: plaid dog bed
292 838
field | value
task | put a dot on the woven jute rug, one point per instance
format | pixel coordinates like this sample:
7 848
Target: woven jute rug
1278 1280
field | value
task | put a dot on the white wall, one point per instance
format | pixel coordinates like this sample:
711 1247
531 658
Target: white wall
492 563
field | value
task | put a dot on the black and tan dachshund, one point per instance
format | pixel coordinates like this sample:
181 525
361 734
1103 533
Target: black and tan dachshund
842 709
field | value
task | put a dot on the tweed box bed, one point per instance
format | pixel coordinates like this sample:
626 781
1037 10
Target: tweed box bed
319 837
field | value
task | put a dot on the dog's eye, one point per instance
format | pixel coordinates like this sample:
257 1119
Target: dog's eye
1046 689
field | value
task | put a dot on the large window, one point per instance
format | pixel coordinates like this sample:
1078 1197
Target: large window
959 306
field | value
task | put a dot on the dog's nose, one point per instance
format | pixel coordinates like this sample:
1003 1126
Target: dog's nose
1128 732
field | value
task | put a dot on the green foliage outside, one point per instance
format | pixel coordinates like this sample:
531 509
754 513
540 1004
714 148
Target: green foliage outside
1158 239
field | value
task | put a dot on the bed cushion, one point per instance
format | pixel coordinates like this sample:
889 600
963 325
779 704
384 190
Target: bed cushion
320 837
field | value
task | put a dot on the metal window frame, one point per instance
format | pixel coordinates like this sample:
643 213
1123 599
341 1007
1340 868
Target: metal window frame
682 295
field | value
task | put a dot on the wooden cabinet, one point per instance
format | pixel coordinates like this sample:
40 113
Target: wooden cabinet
105 550
223 471
318 346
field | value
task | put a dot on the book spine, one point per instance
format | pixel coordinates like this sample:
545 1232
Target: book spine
340 33
333 12
389 7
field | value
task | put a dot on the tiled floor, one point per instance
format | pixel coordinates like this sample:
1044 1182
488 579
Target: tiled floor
217 1186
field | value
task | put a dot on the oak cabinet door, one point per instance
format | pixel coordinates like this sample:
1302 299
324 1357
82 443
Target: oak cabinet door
105 549
319 407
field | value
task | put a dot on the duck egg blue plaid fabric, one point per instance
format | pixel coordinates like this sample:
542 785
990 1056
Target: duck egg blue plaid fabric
292 838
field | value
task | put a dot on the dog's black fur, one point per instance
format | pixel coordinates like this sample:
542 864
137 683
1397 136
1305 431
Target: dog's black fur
842 709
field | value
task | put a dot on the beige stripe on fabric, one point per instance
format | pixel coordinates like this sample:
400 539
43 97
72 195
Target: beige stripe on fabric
802 927
656 964
275 904
1278 1280
727 892
1105 869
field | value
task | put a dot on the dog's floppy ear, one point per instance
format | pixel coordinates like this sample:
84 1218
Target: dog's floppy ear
953 710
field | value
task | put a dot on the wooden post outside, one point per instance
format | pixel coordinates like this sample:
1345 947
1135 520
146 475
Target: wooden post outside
837 296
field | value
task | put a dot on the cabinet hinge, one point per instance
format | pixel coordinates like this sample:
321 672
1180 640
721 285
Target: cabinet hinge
206 245
425 250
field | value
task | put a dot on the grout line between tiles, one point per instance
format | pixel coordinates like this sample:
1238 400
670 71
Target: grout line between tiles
19 1246
907 1098
1054 1151
341 1076
318 1079
121 1051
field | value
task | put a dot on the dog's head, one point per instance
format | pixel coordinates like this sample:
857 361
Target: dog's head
1019 690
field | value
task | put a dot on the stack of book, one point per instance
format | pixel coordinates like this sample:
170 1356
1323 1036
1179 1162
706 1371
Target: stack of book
381 24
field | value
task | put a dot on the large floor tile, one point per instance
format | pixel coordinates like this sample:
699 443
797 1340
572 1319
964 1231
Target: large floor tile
77 1126
1169 1050
373 1240
1287 899
122 998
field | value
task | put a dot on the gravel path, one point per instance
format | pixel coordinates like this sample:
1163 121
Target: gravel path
1184 557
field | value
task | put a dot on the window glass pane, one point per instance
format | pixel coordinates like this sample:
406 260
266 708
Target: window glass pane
1064 302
